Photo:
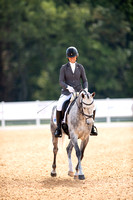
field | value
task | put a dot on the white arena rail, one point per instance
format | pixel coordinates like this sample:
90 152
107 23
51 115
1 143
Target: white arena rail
105 109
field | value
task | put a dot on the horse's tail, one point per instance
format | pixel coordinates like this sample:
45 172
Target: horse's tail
53 127
61 142
53 120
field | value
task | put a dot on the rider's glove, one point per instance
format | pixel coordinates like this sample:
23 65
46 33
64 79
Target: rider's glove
70 89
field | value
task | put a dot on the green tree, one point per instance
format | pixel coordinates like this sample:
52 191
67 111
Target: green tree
35 34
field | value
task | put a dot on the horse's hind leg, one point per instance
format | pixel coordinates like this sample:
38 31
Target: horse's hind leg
69 151
55 143
55 150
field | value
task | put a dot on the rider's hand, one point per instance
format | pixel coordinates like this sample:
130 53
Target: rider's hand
70 89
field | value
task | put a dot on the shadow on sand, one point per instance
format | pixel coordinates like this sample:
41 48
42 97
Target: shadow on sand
63 182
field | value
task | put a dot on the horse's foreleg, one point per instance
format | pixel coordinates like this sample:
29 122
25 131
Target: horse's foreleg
69 151
83 146
55 150
79 172
78 167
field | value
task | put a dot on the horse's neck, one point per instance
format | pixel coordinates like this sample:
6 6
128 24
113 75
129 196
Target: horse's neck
77 105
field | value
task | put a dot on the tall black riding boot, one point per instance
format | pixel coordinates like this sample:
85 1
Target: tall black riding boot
94 131
58 132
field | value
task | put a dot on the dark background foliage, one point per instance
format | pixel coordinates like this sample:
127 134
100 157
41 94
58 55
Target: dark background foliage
34 36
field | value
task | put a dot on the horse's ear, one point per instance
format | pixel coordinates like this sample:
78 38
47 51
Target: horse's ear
83 95
93 94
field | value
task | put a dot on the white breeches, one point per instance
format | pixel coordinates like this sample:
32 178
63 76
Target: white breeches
61 100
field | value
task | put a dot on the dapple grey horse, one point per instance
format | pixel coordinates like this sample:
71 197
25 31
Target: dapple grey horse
79 121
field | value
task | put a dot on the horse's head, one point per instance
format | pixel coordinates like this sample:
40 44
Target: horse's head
86 102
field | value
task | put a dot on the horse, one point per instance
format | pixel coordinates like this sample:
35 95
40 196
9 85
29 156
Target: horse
79 121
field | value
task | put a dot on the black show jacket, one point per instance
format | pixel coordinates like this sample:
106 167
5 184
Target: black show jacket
75 80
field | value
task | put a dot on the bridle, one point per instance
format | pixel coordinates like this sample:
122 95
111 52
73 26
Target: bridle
87 104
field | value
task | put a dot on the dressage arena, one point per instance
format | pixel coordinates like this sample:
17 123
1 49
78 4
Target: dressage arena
26 157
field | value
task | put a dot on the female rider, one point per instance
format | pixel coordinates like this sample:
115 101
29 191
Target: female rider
72 74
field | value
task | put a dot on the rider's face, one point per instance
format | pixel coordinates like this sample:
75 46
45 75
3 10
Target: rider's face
73 59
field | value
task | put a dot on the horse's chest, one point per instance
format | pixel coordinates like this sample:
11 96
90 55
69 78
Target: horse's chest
81 129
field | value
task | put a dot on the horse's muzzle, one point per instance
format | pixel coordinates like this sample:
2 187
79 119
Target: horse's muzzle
89 121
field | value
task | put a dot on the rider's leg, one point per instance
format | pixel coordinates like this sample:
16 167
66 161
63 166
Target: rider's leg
62 99
94 129
58 132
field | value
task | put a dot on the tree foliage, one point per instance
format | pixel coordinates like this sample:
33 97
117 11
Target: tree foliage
34 36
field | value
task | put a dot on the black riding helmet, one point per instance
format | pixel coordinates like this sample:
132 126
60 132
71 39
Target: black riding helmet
71 52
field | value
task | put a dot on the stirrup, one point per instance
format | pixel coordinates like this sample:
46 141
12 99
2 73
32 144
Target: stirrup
94 131
58 133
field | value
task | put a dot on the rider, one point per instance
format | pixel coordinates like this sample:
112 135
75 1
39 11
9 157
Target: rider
70 78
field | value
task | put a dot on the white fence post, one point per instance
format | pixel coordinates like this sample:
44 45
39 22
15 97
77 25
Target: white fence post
2 120
108 111
37 116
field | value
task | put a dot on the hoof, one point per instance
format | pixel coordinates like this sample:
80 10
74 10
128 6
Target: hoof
53 174
75 176
81 177
70 173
